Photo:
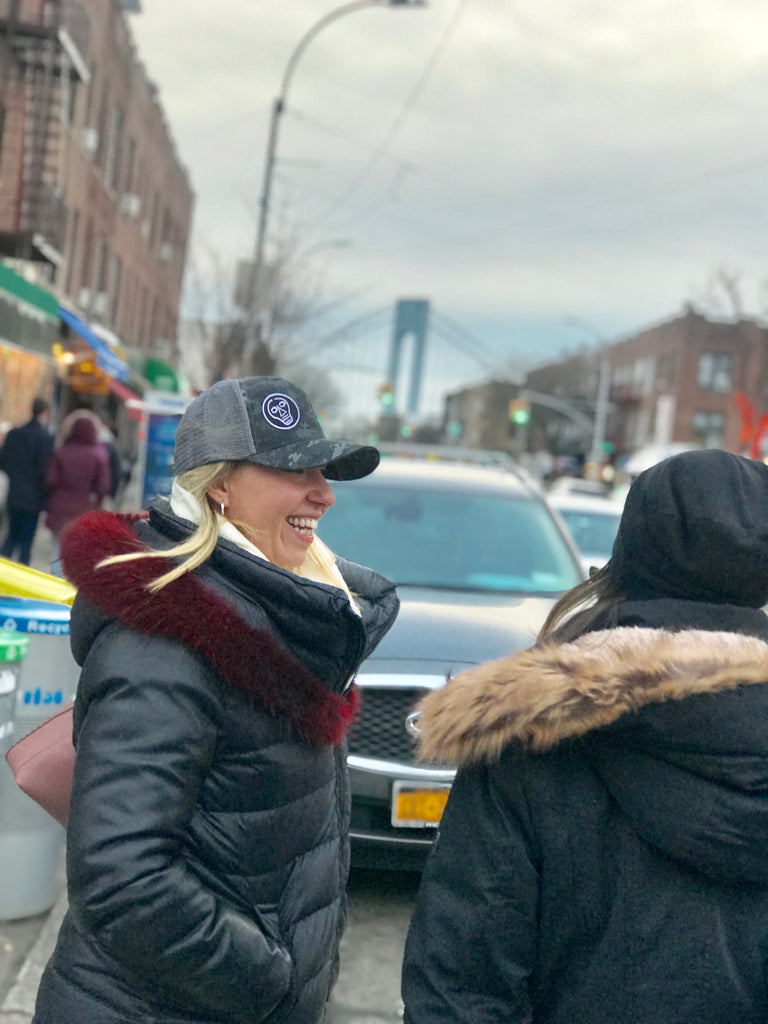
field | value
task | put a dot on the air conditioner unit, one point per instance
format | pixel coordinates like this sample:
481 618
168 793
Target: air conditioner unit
166 252
130 205
100 304
84 298
90 140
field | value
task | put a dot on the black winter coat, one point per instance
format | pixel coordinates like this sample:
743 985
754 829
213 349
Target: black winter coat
24 458
207 850
603 858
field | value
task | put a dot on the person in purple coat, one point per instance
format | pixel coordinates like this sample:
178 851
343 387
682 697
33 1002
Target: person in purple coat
77 479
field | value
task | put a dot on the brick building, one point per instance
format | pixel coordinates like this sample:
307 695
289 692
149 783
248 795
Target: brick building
92 192
478 417
676 381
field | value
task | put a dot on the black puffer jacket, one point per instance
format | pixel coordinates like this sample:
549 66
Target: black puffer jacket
603 858
206 849
24 457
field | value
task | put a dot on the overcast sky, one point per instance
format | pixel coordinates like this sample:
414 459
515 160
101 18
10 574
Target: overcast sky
519 163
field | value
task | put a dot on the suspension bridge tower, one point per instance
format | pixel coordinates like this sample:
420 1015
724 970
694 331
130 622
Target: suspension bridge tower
411 320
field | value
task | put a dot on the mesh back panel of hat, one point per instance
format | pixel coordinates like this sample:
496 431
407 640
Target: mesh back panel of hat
218 430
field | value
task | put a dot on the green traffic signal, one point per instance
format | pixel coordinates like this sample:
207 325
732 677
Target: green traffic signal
520 411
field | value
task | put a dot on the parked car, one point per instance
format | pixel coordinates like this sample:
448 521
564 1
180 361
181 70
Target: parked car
592 522
579 485
449 453
479 559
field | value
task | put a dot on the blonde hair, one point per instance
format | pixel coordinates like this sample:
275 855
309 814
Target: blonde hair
319 564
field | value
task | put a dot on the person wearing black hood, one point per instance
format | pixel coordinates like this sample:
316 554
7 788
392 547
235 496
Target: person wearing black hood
603 858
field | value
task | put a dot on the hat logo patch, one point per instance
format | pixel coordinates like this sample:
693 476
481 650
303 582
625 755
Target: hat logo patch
280 411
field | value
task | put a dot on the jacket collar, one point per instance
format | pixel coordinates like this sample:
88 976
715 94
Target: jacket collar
549 694
251 660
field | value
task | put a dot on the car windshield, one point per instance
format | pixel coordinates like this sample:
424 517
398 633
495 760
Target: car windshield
448 539
593 532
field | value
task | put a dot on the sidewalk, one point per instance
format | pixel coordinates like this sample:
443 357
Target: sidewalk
18 1002
26 944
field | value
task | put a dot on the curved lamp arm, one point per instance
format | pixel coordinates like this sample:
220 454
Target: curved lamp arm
278 105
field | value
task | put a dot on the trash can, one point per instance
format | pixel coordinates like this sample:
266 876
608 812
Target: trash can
31 841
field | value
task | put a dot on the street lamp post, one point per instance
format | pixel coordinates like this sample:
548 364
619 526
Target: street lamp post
252 327
603 391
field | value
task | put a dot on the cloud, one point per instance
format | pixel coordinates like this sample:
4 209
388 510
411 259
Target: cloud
510 163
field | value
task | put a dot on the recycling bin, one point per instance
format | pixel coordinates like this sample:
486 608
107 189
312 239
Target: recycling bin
13 647
31 841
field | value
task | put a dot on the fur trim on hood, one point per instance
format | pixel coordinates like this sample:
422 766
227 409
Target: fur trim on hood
251 660
548 694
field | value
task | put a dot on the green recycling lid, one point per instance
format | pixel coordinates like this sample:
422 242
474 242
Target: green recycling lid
13 646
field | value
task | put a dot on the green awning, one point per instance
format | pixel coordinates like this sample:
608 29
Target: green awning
28 297
164 377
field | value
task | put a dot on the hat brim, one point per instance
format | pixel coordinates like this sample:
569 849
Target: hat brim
339 460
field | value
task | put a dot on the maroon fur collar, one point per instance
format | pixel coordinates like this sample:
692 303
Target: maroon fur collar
251 660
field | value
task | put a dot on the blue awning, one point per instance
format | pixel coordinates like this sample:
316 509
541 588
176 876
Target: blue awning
109 361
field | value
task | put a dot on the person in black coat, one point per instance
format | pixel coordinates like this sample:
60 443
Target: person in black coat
207 839
603 857
24 459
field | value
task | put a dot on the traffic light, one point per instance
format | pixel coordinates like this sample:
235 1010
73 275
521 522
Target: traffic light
386 395
520 412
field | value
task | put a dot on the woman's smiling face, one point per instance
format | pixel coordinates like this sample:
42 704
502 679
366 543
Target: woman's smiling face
277 509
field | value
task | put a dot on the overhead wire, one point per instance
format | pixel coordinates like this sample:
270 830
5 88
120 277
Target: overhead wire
410 102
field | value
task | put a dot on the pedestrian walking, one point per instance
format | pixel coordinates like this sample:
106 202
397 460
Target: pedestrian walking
24 459
603 856
77 479
207 846
119 473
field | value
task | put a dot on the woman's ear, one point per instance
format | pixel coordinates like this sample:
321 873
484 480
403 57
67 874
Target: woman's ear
218 494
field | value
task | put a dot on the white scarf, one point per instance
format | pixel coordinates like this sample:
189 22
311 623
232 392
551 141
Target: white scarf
185 505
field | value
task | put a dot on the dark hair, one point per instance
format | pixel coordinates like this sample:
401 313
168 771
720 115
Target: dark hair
39 406
587 606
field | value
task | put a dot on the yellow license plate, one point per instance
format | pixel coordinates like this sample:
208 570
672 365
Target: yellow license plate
418 806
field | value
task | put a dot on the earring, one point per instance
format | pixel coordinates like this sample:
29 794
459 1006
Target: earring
221 506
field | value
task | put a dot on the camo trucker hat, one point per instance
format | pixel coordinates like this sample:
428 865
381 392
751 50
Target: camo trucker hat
268 421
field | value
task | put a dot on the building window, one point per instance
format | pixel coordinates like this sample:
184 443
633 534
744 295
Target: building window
117 279
85 265
643 376
708 428
129 167
101 133
112 161
714 372
74 223
666 372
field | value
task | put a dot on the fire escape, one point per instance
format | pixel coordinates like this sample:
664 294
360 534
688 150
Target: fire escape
43 47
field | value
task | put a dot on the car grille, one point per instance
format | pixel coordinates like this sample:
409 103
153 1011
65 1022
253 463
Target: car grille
380 728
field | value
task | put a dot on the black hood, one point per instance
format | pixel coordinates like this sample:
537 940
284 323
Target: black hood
696 526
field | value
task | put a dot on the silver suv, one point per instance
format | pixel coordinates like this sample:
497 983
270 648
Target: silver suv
479 559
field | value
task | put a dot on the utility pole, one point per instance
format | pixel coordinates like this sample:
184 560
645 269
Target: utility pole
601 412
